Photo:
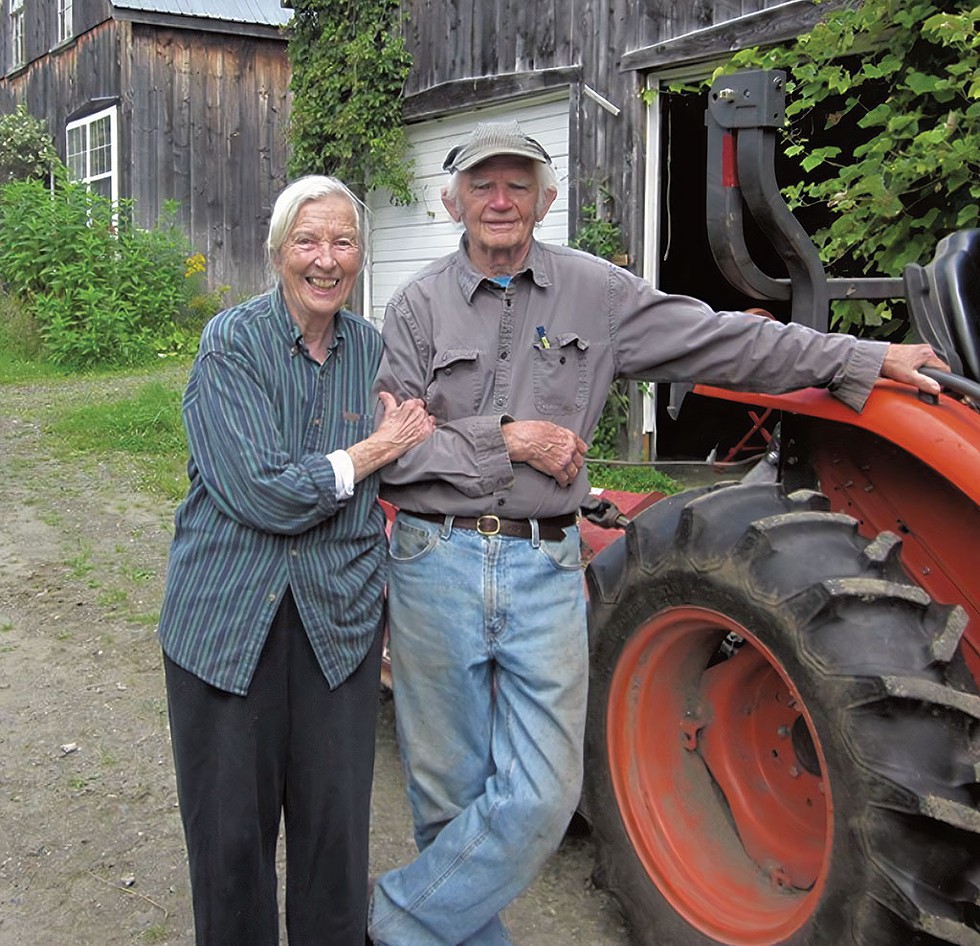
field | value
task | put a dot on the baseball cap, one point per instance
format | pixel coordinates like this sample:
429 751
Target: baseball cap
491 138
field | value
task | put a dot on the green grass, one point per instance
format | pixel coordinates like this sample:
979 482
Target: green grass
15 369
146 424
630 478
145 428
157 933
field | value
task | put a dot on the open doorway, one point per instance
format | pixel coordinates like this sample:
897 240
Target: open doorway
687 267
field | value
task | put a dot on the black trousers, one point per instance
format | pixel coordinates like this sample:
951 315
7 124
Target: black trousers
294 748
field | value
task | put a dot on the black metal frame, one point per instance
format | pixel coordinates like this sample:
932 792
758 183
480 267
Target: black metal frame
745 112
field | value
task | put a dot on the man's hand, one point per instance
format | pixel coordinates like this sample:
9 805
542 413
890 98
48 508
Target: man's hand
903 361
402 426
555 451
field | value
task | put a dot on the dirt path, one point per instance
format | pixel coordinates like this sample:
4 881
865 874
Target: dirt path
91 851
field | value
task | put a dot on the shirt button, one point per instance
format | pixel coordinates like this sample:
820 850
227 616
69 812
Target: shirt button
499 400
294 552
272 598
500 502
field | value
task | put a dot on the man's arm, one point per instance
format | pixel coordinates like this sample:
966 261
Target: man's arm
467 452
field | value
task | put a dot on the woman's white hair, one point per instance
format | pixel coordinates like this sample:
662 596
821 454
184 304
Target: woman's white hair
547 181
302 190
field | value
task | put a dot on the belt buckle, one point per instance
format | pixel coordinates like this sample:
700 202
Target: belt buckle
492 529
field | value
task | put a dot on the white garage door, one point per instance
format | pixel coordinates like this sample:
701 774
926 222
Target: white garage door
404 239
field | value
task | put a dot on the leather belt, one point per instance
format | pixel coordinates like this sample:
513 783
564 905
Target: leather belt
551 529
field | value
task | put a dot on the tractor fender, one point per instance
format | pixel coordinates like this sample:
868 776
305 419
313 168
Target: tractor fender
944 435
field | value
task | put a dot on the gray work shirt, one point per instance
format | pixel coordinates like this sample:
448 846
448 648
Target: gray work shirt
473 351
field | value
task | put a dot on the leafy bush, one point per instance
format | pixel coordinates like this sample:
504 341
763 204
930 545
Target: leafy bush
597 235
101 290
884 111
26 148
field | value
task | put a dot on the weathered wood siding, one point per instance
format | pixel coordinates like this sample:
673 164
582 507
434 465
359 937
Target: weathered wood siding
41 27
471 51
208 115
60 84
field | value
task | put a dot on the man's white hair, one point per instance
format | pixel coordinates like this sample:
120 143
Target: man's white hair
545 173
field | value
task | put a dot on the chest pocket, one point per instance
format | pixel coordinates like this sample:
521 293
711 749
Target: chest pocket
454 390
354 426
561 375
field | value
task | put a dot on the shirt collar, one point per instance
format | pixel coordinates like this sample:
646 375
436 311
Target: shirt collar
290 330
537 266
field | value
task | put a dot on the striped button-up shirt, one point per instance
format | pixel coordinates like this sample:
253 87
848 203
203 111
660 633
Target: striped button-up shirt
262 513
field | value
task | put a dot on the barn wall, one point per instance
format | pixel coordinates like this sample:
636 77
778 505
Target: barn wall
64 82
208 116
499 49
41 29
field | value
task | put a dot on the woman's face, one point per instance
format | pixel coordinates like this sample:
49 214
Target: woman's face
320 259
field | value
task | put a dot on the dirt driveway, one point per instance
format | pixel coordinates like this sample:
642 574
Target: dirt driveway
91 852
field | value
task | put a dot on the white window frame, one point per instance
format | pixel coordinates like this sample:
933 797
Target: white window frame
106 170
18 55
65 25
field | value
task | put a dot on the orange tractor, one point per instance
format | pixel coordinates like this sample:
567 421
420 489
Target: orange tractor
784 726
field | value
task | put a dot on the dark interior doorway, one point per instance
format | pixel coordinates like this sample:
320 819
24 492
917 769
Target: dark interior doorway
687 267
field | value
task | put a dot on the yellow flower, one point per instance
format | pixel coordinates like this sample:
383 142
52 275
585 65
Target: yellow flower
195 264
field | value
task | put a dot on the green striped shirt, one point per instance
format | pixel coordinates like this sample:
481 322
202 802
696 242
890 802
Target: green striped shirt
261 513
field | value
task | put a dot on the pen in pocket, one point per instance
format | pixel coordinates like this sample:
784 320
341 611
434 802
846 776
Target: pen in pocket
544 338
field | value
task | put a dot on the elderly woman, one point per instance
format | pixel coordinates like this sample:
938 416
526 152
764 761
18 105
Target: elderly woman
272 616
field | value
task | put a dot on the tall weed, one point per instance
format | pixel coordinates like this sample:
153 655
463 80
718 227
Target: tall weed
102 291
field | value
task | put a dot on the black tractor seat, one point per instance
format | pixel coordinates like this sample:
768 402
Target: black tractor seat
944 301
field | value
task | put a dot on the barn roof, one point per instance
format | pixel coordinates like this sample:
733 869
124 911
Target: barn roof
262 12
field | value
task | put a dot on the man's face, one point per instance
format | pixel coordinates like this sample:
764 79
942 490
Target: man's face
496 204
320 259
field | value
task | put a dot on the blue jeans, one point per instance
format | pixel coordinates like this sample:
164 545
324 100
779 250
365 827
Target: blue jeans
489 656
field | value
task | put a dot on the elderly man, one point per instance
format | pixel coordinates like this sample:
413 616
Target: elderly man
513 345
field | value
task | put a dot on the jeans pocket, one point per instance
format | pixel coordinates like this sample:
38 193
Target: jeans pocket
411 541
564 554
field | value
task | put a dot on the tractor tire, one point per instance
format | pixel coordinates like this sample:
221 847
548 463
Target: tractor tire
776 750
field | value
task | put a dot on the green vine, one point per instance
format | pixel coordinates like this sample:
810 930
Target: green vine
597 233
349 64
899 80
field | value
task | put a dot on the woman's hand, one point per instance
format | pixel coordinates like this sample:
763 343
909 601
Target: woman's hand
402 426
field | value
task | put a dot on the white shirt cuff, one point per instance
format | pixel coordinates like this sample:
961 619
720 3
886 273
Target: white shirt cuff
343 472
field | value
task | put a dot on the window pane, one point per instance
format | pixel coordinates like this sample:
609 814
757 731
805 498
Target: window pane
64 20
17 37
100 143
102 186
89 152
76 153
